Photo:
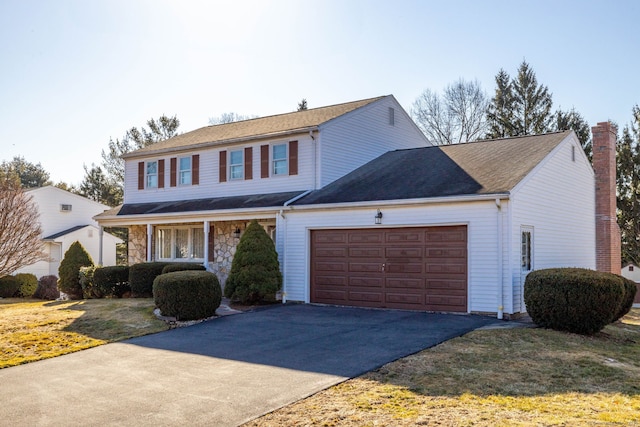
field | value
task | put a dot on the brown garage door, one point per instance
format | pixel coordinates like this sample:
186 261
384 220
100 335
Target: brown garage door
408 268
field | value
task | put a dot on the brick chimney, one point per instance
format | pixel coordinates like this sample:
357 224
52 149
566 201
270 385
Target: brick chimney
608 256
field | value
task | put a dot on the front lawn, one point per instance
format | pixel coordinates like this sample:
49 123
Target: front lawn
32 330
500 377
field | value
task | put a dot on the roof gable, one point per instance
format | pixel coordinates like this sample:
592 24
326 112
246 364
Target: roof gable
476 168
299 121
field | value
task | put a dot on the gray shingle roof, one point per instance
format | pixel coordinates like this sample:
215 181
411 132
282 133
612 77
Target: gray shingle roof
64 232
483 167
253 128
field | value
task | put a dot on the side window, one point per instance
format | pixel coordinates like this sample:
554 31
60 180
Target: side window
185 171
152 175
236 167
526 250
279 159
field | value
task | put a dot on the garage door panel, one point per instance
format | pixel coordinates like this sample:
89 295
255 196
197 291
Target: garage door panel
404 283
406 252
416 268
357 252
369 282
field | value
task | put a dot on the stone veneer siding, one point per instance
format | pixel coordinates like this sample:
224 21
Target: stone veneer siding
137 244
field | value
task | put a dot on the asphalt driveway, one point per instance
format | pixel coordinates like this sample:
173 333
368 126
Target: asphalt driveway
219 373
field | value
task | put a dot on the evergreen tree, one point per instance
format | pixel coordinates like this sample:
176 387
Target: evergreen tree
572 120
97 187
69 270
255 270
30 175
302 105
628 189
520 106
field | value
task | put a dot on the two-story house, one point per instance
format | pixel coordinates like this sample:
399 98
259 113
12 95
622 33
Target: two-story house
65 218
365 211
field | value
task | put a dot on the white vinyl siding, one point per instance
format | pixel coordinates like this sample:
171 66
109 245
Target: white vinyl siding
480 218
558 201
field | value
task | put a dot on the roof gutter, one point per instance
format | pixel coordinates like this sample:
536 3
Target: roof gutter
190 147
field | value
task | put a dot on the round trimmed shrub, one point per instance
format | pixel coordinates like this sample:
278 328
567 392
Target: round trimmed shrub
28 285
69 270
112 281
576 300
187 295
47 288
9 285
630 290
141 277
182 266
255 270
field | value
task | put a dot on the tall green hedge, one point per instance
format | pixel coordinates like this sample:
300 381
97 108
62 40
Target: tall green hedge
112 281
573 299
9 285
187 295
255 270
141 277
69 270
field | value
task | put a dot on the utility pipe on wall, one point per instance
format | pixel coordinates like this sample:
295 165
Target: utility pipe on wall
500 263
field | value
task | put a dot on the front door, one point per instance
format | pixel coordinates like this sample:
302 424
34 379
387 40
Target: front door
526 257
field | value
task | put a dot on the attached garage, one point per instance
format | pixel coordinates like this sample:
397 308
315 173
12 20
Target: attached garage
416 268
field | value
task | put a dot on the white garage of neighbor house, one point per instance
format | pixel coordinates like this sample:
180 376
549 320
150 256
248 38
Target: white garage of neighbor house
65 218
365 212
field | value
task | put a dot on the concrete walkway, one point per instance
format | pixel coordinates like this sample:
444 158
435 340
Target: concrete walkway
222 372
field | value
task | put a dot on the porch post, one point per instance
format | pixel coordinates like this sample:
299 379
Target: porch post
149 240
206 245
101 242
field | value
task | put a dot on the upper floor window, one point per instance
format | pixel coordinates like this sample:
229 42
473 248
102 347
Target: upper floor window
236 164
279 159
152 174
185 171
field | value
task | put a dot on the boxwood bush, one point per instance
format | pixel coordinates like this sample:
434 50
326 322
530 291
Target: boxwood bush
255 270
28 285
141 277
187 295
182 266
47 288
573 299
630 290
9 285
112 281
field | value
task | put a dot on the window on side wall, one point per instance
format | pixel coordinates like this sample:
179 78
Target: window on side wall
152 175
236 166
279 159
185 171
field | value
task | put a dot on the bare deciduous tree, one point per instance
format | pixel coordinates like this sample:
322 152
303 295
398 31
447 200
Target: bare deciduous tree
459 115
230 118
20 243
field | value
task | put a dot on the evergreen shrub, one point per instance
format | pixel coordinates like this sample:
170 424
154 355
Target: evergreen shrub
28 285
187 295
69 270
630 290
86 282
573 299
47 288
112 281
141 277
255 270
9 285
182 266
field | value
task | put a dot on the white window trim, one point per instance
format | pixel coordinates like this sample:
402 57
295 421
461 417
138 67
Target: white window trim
181 171
148 175
285 159
241 165
172 245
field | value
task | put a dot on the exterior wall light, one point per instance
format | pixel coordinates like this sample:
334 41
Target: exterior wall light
236 233
378 217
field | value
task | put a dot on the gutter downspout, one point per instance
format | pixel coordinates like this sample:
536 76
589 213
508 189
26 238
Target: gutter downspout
500 298
100 249
284 234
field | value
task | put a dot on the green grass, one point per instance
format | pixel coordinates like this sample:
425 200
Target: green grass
32 330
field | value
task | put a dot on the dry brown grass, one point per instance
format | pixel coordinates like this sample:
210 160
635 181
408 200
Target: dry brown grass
32 330
503 377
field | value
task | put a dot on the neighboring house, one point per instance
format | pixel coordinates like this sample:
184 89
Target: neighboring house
364 211
65 218
632 272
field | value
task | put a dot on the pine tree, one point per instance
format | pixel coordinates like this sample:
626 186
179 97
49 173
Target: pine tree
500 112
572 120
69 270
255 270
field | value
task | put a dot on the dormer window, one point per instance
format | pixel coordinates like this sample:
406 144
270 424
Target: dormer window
65 208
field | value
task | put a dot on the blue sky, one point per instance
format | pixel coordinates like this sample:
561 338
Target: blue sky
74 73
